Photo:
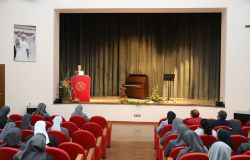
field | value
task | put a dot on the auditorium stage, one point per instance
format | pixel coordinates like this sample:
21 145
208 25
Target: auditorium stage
178 101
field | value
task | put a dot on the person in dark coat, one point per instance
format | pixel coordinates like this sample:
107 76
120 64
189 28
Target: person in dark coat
235 127
221 120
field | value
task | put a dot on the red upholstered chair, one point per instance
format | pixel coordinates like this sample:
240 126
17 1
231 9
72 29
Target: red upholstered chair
26 133
35 118
6 153
1 130
175 151
18 123
96 129
53 116
247 124
194 156
207 140
193 127
104 124
78 120
168 138
59 136
240 157
247 152
15 117
238 139
245 131
57 153
223 127
73 149
87 140
72 127
48 124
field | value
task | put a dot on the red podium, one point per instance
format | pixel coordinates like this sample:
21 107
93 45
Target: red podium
81 88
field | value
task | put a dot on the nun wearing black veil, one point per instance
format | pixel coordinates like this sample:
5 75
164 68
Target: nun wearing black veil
41 110
34 150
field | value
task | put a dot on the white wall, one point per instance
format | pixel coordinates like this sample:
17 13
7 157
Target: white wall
35 81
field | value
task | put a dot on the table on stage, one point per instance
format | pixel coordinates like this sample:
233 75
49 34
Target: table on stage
81 87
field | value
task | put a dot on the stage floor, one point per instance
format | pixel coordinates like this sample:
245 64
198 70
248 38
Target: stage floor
178 101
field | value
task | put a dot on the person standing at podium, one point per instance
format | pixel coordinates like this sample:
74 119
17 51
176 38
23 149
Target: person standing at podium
79 70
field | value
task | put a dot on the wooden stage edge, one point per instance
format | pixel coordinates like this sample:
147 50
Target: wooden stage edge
115 100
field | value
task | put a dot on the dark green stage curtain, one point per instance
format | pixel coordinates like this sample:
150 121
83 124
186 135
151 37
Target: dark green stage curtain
111 46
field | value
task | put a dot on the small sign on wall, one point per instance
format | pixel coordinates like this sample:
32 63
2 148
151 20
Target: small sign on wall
24 43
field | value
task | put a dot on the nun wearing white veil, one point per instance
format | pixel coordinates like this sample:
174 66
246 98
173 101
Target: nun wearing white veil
219 151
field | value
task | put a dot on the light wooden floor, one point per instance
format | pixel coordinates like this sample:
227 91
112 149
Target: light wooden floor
131 141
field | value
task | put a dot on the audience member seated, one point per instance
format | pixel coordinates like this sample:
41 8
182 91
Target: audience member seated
41 110
6 128
176 123
57 126
177 142
12 139
224 136
170 117
40 127
26 119
4 111
34 150
78 112
221 120
194 120
205 129
193 142
219 151
244 146
235 127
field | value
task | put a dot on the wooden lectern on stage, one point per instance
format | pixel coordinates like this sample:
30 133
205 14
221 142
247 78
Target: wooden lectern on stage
81 87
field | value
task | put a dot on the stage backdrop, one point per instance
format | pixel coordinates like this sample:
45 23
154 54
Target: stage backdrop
111 46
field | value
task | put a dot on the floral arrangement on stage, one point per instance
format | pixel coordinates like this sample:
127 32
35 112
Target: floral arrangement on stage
155 96
65 85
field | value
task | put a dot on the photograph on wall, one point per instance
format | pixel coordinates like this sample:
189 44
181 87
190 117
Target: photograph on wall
24 43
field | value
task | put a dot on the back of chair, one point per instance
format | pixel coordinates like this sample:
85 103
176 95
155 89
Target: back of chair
240 157
93 128
207 140
57 153
194 156
247 124
78 120
85 138
48 124
72 127
99 120
15 117
7 153
18 123
175 151
238 139
193 127
223 127
73 149
53 116
169 138
35 118
59 136
245 131
165 129
26 133
247 152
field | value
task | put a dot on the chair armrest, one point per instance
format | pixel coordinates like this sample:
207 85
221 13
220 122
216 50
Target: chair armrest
104 133
91 154
79 157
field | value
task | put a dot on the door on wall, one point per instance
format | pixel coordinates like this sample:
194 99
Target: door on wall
2 84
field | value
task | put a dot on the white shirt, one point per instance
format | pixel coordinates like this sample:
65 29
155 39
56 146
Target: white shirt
200 131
